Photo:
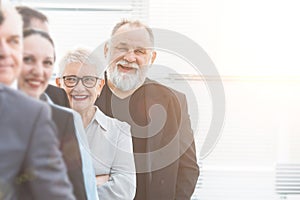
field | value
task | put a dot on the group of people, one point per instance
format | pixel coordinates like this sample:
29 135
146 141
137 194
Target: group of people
96 135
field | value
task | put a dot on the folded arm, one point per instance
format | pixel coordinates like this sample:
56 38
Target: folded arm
122 181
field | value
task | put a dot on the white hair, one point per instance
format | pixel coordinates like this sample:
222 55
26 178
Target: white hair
79 55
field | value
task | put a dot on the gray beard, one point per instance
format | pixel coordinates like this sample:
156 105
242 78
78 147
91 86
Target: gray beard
124 81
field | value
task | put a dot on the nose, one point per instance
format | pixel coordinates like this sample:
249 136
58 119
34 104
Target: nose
4 49
130 56
37 69
79 86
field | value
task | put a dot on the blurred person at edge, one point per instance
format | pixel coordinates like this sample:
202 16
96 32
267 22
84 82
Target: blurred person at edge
35 19
129 96
38 63
109 139
29 148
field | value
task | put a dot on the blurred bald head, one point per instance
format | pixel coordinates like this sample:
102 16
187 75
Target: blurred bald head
33 18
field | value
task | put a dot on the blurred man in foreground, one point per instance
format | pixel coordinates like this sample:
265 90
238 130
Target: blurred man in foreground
28 146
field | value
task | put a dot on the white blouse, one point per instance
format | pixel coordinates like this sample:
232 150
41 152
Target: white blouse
112 153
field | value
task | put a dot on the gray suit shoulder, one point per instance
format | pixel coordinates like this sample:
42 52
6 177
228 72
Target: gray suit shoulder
21 101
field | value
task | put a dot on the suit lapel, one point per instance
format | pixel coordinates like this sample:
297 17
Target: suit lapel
1 96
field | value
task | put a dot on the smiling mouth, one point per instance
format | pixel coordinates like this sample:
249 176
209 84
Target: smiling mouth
34 83
79 97
125 69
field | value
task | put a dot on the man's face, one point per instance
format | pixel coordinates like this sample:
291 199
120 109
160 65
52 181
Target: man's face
10 48
129 54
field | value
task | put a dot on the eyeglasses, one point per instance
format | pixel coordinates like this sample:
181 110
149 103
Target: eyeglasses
87 81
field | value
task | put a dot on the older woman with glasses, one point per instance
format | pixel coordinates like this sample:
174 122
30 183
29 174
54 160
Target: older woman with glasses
109 139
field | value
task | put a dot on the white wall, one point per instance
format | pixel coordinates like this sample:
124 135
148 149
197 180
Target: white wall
255 46
257 37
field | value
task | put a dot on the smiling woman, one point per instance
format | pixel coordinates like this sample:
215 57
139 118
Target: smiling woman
109 139
81 97
38 62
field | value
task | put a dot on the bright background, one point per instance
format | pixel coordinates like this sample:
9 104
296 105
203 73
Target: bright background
254 45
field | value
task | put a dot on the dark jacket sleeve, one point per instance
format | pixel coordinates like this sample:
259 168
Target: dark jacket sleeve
44 164
70 149
188 169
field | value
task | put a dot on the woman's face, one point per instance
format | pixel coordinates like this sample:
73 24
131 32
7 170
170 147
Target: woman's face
81 98
38 63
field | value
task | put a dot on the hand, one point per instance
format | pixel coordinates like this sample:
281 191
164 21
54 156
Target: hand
101 179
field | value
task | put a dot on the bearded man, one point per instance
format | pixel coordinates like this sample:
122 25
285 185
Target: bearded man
163 142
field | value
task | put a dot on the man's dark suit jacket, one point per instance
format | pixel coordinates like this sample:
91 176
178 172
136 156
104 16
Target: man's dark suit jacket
70 149
170 174
58 96
29 150
69 143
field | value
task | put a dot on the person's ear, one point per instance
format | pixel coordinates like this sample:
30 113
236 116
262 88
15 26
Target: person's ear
102 83
57 81
105 49
100 86
152 57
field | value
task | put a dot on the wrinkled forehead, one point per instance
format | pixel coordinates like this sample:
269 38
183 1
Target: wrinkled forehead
134 37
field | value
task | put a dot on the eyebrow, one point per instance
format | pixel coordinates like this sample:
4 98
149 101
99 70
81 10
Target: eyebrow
122 44
50 57
15 37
